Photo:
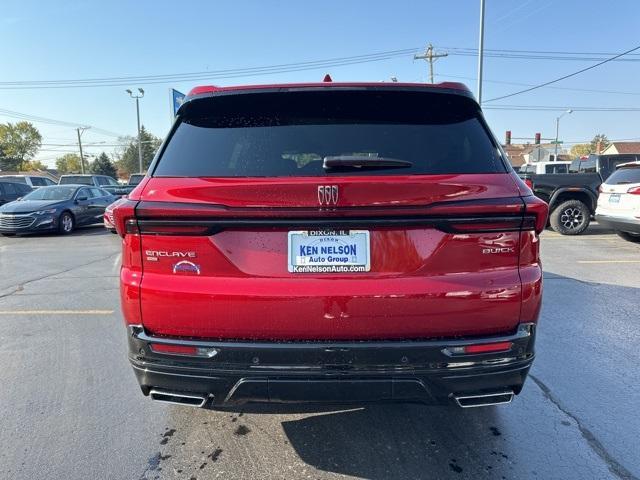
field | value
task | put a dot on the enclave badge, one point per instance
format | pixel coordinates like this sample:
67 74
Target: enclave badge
328 194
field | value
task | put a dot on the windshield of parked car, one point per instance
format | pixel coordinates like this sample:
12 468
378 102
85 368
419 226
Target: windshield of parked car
51 193
290 134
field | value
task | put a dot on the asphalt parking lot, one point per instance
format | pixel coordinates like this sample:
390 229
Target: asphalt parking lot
70 406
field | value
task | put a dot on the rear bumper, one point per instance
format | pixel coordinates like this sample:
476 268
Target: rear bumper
340 372
622 224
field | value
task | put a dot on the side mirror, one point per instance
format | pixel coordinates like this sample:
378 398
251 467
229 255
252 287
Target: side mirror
18 199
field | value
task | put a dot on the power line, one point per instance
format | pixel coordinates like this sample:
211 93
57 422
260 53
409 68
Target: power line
561 108
547 52
298 66
212 74
572 89
564 77
51 121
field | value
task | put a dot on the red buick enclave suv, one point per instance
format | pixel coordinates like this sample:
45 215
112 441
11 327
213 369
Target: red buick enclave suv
331 242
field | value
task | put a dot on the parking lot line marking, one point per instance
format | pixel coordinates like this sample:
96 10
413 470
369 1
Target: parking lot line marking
609 238
608 261
56 312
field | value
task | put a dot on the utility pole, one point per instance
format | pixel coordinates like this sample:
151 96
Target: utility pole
80 131
430 57
138 97
555 155
480 52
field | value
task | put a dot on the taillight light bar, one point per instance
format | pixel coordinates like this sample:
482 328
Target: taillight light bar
185 350
539 210
123 214
477 349
634 191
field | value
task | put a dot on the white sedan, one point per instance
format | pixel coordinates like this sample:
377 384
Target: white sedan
619 202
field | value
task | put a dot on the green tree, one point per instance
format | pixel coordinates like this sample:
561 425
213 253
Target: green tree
68 163
34 165
103 166
580 149
604 142
128 158
19 143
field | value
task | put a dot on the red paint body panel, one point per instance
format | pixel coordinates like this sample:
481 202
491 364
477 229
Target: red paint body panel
423 283
203 89
393 191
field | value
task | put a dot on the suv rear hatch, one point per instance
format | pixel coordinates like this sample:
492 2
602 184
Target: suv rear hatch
330 213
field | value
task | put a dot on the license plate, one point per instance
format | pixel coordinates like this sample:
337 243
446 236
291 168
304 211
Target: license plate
329 251
614 198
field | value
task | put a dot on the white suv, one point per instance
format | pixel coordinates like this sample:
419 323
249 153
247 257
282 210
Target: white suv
619 201
34 181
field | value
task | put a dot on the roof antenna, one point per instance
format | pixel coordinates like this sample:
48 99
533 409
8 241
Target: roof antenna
327 78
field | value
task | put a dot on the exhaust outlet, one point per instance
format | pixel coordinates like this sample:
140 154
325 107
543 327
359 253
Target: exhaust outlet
484 399
176 398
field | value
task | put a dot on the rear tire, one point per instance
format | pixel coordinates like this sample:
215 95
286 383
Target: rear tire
66 223
629 237
570 218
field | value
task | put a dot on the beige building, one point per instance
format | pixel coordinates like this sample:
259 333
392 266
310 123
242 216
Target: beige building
616 148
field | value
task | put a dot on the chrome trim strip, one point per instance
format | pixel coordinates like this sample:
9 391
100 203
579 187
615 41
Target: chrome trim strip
486 395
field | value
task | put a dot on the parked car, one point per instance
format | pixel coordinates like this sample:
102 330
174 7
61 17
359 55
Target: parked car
33 181
343 242
135 178
572 197
108 216
540 168
10 191
58 208
105 182
619 202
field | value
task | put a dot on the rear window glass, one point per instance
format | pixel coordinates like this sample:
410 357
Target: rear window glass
14 179
562 168
290 134
624 175
76 180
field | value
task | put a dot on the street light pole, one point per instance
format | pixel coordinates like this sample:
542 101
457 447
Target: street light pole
555 154
138 97
480 51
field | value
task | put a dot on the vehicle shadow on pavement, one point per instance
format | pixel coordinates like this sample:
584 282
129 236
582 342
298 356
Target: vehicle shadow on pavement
396 441
84 231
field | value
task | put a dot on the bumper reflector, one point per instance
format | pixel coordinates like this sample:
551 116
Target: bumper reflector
477 349
186 350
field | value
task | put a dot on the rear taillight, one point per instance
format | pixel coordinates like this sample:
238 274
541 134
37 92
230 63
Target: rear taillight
528 183
486 225
188 350
634 191
123 215
538 210
600 189
479 348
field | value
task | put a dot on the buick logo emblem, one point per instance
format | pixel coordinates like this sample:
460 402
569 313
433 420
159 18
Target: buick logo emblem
328 194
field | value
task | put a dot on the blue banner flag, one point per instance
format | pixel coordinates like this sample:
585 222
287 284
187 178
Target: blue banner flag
178 99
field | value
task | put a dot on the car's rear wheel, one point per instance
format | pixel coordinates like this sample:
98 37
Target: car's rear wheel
66 223
629 237
570 218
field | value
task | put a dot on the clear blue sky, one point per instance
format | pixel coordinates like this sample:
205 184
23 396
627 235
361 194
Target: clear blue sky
85 39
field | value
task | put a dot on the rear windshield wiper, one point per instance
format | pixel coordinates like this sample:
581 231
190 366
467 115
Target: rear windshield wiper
357 161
